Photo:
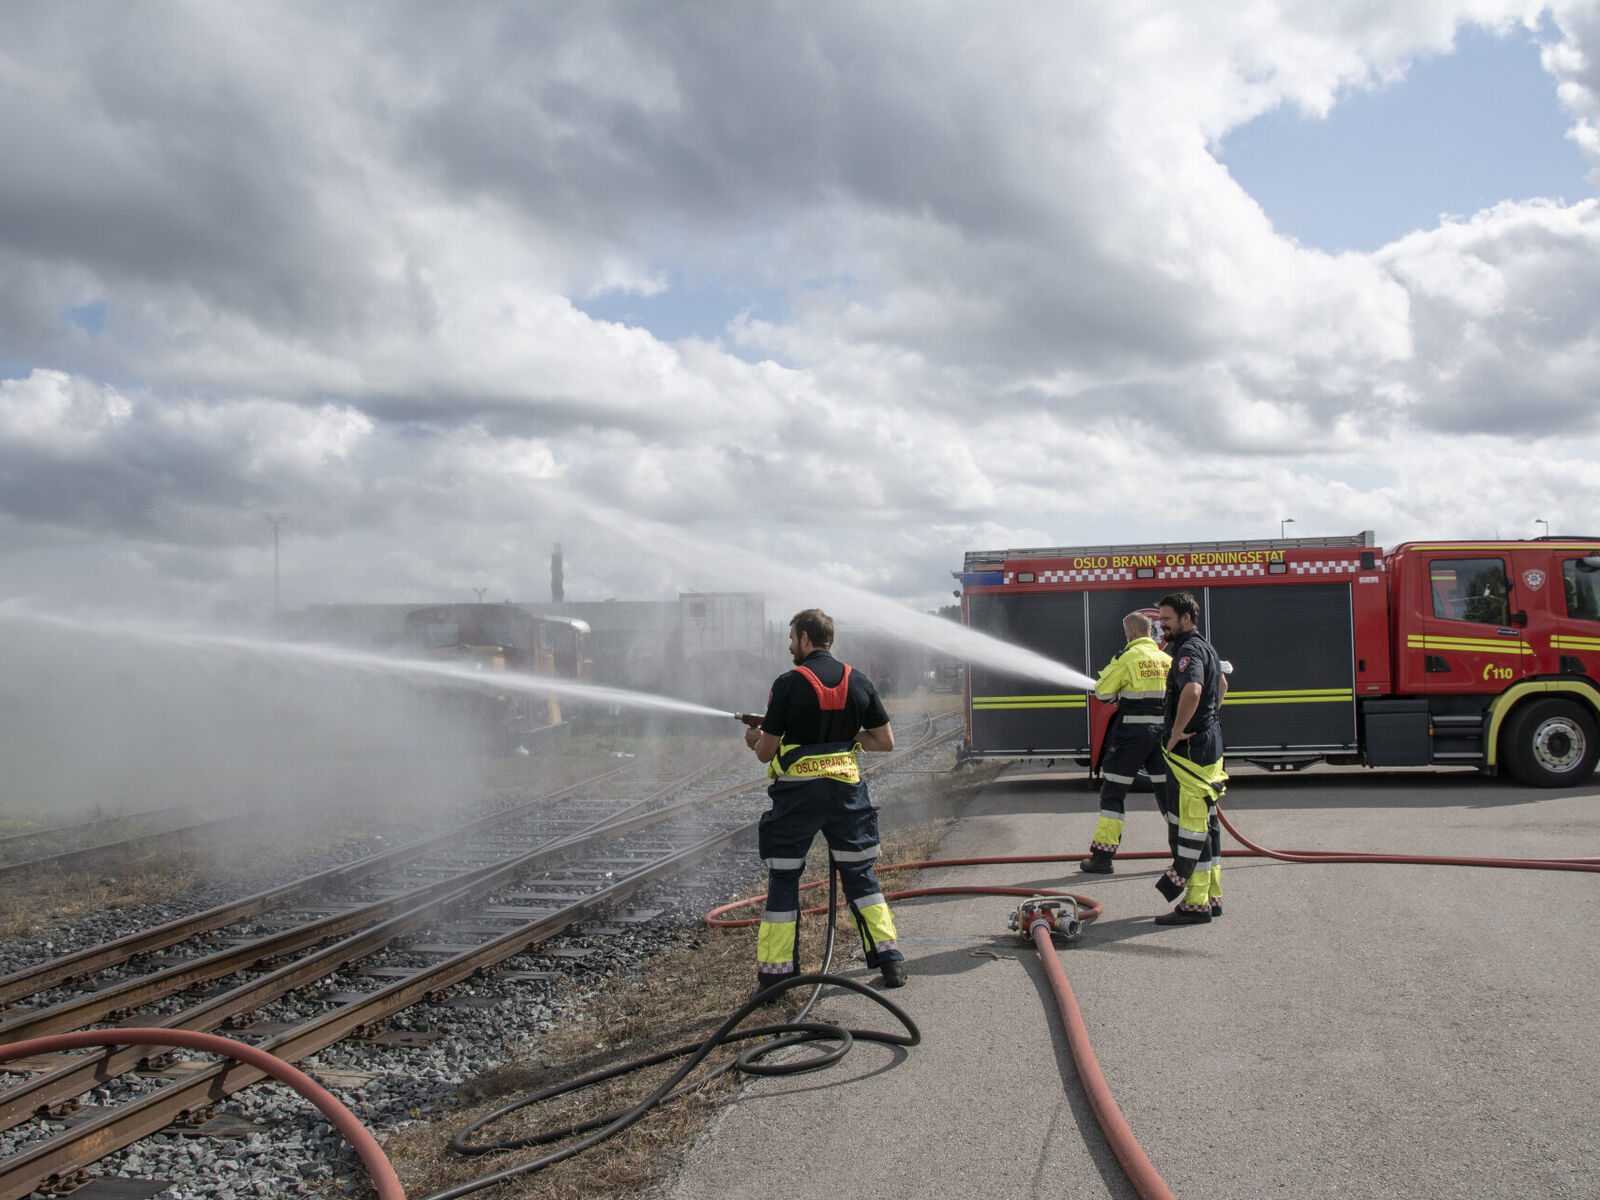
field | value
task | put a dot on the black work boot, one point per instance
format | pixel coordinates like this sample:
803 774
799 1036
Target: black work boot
1183 915
1098 863
893 972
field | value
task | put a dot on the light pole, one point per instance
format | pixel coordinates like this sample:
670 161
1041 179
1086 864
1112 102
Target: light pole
275 520
1281 524
1546 524
480 592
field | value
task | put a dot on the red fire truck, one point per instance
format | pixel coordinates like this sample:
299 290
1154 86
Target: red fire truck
1434 653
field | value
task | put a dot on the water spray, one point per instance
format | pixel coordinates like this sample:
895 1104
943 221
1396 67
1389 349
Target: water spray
314 654
723 561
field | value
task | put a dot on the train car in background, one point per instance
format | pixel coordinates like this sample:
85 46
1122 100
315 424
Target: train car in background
503 638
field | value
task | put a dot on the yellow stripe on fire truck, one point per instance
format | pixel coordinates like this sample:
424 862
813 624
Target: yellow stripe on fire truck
1425 641
1061 701
1567 641
1293 696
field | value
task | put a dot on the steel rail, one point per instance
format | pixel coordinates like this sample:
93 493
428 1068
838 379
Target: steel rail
16 839
67 860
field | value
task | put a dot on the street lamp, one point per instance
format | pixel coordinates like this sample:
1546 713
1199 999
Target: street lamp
275 520
1546 524
480 592
1281 524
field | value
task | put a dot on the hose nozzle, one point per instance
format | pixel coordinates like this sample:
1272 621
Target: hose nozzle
751 719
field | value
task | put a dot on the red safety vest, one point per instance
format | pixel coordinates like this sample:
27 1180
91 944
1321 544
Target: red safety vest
829 699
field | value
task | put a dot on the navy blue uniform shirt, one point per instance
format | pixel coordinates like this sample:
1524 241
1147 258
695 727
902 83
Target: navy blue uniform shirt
795 716
1194 661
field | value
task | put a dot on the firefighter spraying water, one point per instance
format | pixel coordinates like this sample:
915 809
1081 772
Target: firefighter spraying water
818 717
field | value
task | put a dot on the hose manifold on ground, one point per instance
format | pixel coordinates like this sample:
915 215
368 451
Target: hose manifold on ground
1049 911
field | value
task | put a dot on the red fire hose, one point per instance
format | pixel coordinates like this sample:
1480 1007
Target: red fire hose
1135 1163
366 1146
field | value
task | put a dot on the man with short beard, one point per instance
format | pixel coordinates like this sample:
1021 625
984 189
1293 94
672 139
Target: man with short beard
1192 736
818 716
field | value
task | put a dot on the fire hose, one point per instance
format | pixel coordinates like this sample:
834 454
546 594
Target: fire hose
1039 917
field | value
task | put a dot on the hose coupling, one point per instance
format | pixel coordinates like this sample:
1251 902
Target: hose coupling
1052 912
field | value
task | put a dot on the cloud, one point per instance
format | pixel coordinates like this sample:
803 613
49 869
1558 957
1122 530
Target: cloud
337 255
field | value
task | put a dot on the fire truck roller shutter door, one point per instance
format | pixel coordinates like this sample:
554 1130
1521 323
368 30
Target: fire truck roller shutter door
1292 646
1016 713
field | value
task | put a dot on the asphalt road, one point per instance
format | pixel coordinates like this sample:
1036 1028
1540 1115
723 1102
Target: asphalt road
1366 1031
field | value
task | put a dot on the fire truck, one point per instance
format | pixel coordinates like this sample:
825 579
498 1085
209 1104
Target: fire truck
1483 654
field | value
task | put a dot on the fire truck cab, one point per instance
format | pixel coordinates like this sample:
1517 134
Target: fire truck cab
1467 653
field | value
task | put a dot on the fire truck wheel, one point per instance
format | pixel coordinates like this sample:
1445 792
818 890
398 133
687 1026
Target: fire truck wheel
1551 743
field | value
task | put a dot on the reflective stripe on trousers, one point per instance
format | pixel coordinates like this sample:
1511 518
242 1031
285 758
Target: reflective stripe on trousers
1197 856
844 815
1134 745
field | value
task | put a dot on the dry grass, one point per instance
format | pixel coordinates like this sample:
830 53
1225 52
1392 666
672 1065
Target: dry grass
55 900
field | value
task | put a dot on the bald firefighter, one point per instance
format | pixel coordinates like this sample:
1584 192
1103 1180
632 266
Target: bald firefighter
819 717
1135 680
1196 687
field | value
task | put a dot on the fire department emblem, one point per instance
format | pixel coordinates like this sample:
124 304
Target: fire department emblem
1534 578
1183 663
1155 624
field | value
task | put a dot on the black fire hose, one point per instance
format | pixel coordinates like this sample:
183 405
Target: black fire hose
750 1061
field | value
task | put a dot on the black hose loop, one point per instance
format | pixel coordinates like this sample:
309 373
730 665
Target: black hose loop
783 1034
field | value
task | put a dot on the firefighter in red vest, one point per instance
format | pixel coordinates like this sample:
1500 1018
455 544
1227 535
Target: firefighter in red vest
818 717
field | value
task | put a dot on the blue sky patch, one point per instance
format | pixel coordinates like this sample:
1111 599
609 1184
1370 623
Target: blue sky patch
91 317
1458 134
688 307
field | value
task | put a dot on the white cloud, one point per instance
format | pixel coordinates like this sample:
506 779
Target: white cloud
338 252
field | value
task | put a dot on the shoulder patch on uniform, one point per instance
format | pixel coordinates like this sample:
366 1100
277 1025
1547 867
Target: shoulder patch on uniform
1183 663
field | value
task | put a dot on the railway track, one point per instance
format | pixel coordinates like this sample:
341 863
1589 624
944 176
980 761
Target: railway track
17 845
300 967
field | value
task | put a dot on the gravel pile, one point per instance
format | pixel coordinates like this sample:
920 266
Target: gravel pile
283 1146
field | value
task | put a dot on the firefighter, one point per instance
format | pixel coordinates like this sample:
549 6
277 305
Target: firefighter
1192 736
1135 681
819 716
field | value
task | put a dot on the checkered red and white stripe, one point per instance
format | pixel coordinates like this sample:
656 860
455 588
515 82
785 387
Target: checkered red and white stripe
1214 571
1211 571
1342 567
1103 575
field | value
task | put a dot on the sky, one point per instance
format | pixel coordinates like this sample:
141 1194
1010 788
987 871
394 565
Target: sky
849 288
